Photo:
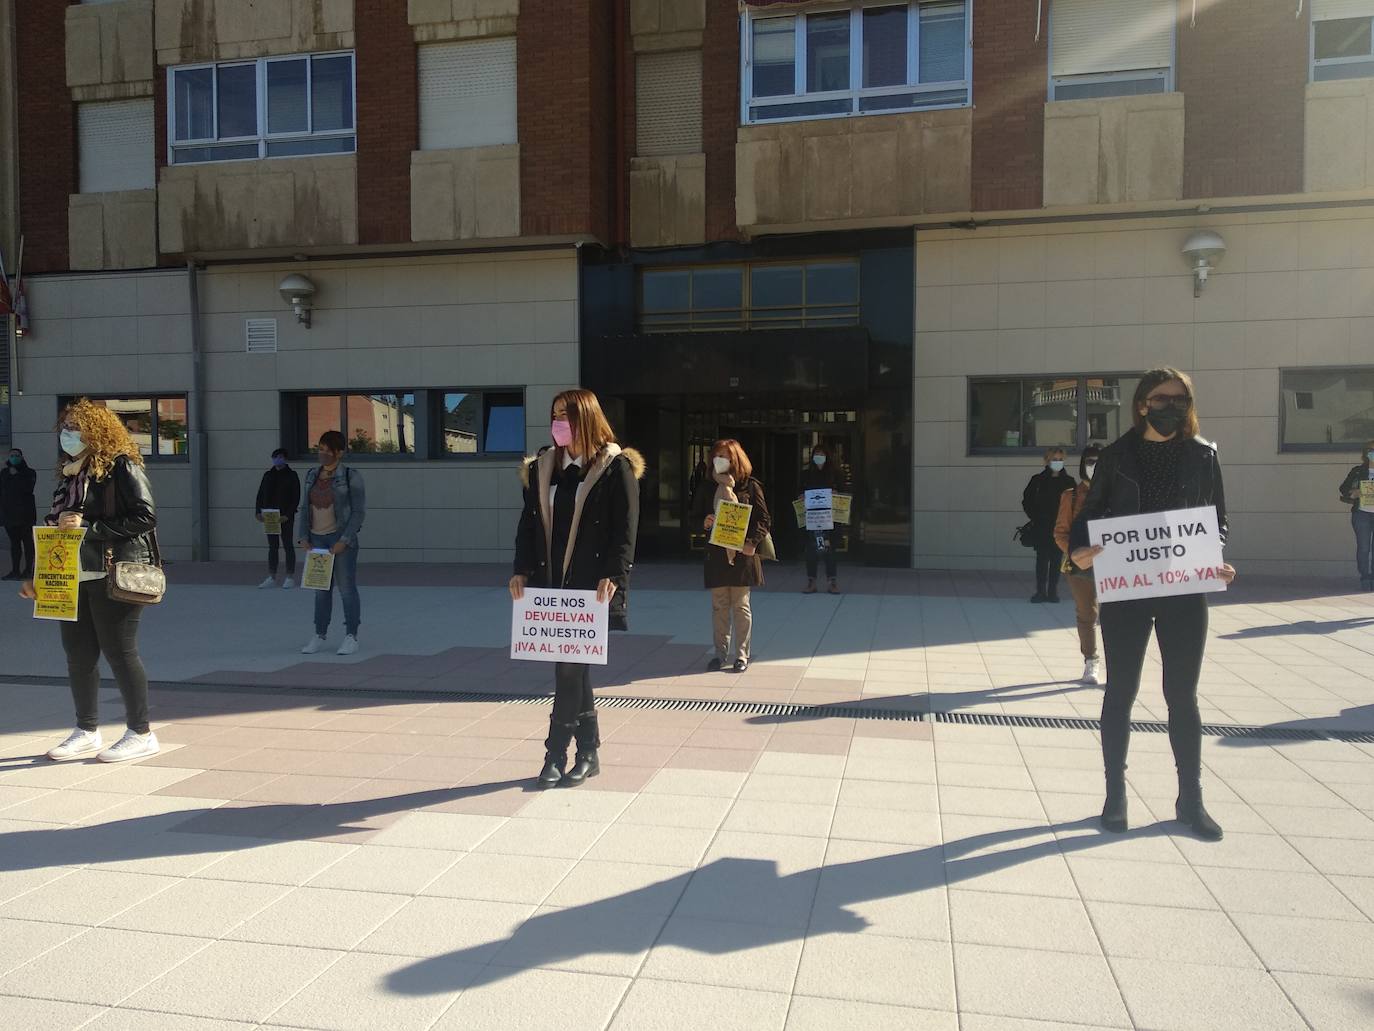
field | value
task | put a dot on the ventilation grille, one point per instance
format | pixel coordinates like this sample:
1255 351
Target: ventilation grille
261 335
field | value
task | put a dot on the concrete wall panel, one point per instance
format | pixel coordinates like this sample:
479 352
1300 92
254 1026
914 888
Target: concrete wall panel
217 30
466 194
1114 150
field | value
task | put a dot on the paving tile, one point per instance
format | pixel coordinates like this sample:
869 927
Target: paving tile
458 832
301 789
1181 997
676 811
1052 986
608 937
593 807
1332 856
1142 883
780 818
236 980
85 897
103 965
890 825
1279 893
472 930
320 918
881 888
362 992
500 878
14 883
772 787
70 805
132 1019
1329 1002
384 868
45 1014
1160 932
277 862
27 939
208 909
812 1014
873 794
668 1006
1245 852
535 1000
721 759
731 955
654 888
873 968
705 783
1340 948
1022 922
566 839
221 784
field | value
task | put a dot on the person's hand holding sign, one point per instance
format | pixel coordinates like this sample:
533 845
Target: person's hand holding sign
605 591
1083 557
26 591
710 521
517 587
69 521
1227 572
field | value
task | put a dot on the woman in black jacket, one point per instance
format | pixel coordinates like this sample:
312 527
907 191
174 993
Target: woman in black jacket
280 489
821 474
103 489
577 532
1159 465
730 575
20 512
1361 518
1040 502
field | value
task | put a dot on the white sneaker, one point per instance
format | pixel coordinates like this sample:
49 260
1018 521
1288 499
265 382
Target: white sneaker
271 581
79 742
316 644
349 646
288 583
130 746
1090 672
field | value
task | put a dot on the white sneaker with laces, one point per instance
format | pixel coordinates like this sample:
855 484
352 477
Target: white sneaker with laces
316 644
271 581
130 746
288 583
349 646
79 742
1090 672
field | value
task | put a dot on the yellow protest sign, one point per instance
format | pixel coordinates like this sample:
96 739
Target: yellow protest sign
318 574
56 572
1367 495
841 505
799 507
271 521
731 525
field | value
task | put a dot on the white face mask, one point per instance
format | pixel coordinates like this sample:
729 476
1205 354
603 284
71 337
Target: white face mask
1057 466
720 464
71 443
1088 468
819 460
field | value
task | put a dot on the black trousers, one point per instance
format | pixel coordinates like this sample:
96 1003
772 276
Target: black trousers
815 552
21 544
1180 625
1047 560
572 692
108 628
288 546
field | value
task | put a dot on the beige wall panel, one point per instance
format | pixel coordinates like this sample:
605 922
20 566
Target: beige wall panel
1338 130
667 24
466 194
112 230
110 44
668 200
438 20
1113 150
210 30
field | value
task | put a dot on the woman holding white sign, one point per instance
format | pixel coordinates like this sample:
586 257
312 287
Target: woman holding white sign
1357 491
1160 465
577 532
821 474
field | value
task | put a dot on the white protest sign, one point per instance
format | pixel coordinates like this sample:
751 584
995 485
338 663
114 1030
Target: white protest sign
560 626
1158 554
820 513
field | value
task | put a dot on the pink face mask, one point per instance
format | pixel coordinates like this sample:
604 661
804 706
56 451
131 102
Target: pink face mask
561 430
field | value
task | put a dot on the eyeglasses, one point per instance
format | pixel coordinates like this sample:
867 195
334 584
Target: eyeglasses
1163 402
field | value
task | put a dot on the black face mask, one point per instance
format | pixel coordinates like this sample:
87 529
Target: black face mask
1165 423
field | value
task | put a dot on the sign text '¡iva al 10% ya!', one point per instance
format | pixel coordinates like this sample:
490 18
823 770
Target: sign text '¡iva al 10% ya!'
1159 553
560 626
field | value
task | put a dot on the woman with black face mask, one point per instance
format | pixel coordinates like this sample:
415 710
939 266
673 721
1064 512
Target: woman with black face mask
1159 465
1040 501
1362 514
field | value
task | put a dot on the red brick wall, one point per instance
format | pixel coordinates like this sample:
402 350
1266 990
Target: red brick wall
47 134
720 104
1243 72
388 119
563 60
1010 72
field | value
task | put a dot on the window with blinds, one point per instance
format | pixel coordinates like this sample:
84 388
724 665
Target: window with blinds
668 103
1342 39
467 94
115 145
1111 48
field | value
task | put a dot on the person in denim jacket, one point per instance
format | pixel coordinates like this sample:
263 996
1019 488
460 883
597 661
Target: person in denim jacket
333 513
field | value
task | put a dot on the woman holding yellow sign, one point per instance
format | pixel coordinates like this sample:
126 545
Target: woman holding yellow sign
104 491
1357 491
577 532
729 578
1159 465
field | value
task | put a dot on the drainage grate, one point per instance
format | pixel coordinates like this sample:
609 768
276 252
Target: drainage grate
1153 727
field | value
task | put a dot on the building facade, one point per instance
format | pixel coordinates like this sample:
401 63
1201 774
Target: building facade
937 236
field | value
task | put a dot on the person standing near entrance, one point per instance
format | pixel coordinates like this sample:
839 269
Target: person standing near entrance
1040 502
821 474
730 582
280 489
1159 465
577 531
20 512
1361 518
1081 584
331 519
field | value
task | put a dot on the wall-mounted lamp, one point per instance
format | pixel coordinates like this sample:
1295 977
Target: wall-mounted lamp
1203 250
298 291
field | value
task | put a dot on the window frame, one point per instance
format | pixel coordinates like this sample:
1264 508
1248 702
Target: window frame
1169 74
1081 436
1340 448
856 91
295 412
436 404
262 137
155 457
1313 62
749 322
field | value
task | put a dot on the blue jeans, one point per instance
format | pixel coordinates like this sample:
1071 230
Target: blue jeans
1363 522
345 582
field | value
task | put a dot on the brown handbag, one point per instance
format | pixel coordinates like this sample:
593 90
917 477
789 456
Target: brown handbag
136 583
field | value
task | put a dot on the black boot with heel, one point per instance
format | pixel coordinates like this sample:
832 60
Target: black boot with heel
1114 809
556 754
585 764
1190 811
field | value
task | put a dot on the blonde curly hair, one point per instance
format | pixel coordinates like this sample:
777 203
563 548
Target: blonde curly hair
104 435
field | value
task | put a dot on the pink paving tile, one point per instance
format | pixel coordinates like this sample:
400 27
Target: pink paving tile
638 734
240 820
310 740
716 737
832 726
289 719
637 755
272 760
536 723
351 764
765 695
725 759
362 723
615 777
391 682
449 768
507 802
685 720
400 745
217 784
499 770
812 744
199 757
311 828
464 746
300 789
189 733
448 726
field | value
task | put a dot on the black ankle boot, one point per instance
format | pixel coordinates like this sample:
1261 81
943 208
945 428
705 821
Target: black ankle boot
1192 815
585 765
555 754
1114 809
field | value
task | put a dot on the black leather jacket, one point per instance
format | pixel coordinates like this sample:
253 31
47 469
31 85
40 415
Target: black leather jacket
119 514
1116 484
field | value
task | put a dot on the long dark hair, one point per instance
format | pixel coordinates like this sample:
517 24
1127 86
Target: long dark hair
1146 386
1091 451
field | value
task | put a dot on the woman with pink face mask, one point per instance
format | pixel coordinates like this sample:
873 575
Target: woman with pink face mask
577 532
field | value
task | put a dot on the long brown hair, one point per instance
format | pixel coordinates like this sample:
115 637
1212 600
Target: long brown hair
1147 384
740 466
590 429
103 434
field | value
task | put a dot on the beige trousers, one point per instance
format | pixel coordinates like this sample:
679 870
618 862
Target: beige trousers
1085 606
728 602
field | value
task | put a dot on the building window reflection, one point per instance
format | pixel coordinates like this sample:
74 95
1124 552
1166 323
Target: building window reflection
1031 413
809 295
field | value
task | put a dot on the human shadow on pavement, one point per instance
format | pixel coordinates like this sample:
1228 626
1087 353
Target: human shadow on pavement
734 904
220 829
1311 627
1357 718
924 702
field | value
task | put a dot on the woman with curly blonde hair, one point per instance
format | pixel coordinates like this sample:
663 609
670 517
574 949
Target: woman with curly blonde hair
103 489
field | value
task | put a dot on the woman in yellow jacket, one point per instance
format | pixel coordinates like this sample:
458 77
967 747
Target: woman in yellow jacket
1081 580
